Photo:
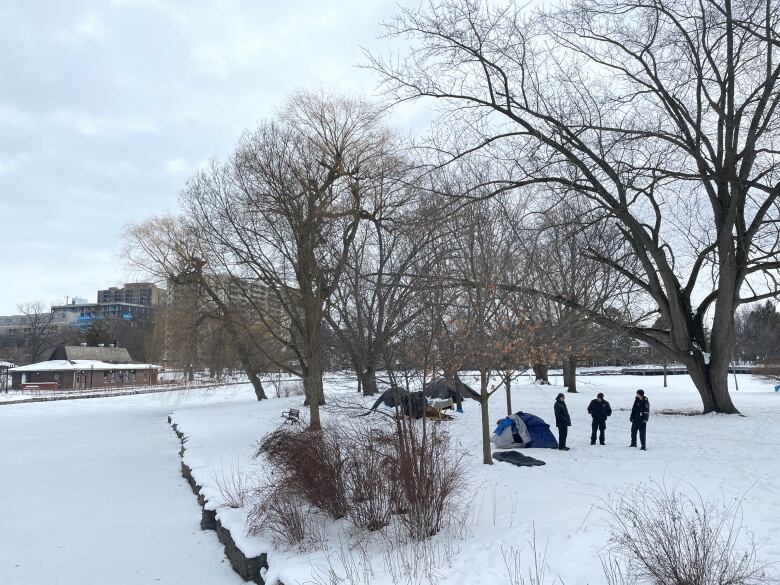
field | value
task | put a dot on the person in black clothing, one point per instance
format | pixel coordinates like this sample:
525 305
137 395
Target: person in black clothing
640 413
599 409
562 421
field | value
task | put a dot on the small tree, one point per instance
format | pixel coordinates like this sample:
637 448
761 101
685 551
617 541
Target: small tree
40 335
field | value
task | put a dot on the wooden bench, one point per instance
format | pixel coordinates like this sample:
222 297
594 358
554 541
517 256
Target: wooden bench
291 416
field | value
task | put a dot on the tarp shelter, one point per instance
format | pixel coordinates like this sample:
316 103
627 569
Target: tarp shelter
510 433
535 433
541 435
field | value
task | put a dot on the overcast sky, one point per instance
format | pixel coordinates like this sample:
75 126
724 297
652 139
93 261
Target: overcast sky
107 106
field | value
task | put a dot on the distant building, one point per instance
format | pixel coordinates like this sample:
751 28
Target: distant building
86 313
78 367
135 301
17 326
133 293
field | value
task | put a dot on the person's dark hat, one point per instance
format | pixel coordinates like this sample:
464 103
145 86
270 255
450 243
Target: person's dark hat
560 395
640 392
600 395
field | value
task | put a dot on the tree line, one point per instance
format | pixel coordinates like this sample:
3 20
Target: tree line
600 166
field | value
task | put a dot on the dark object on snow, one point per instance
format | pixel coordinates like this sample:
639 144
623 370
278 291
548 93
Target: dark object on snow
516 458
437 388
409 403
291 416
392 397
455 390
541 435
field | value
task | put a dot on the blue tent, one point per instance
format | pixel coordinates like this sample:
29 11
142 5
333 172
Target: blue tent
541 435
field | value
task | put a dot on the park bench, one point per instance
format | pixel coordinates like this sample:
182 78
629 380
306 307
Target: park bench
291 416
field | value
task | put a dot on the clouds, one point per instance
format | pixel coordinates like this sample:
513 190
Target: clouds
101 126
107 108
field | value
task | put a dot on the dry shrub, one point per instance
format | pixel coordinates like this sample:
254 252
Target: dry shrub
369 475
282 514
311 464
660 536
364 472
430 477
521 574
233 485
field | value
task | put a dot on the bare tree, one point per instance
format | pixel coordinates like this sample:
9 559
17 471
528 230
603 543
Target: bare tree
284 212
661 113
38 329
166 247
376 299
482 252
565 261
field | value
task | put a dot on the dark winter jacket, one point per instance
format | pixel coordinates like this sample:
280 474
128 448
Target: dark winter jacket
640 412
562 418
599 410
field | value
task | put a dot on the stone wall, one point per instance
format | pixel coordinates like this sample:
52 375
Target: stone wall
250 568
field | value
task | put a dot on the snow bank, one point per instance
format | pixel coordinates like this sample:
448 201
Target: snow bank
718 455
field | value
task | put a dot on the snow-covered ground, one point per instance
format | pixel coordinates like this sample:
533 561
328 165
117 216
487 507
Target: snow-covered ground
92 494
723 457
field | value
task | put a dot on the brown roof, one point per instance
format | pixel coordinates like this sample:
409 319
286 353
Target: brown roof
112 355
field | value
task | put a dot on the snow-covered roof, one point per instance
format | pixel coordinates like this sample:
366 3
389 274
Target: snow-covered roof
76 365
118 355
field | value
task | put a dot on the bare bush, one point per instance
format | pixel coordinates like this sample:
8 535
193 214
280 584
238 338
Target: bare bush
520 574
347 566
661 536
429 475
279 512
370 477
366 473
233 485
312 463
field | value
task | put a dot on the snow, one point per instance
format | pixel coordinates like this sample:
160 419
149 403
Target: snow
92 494
720 456
63 365
96 495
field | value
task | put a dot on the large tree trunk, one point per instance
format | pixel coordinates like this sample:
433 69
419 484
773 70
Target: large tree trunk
541 373
487 458
257 384
570 372
710 373
711 380
367 380
312 383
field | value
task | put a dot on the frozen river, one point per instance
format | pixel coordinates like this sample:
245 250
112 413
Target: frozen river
91 493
